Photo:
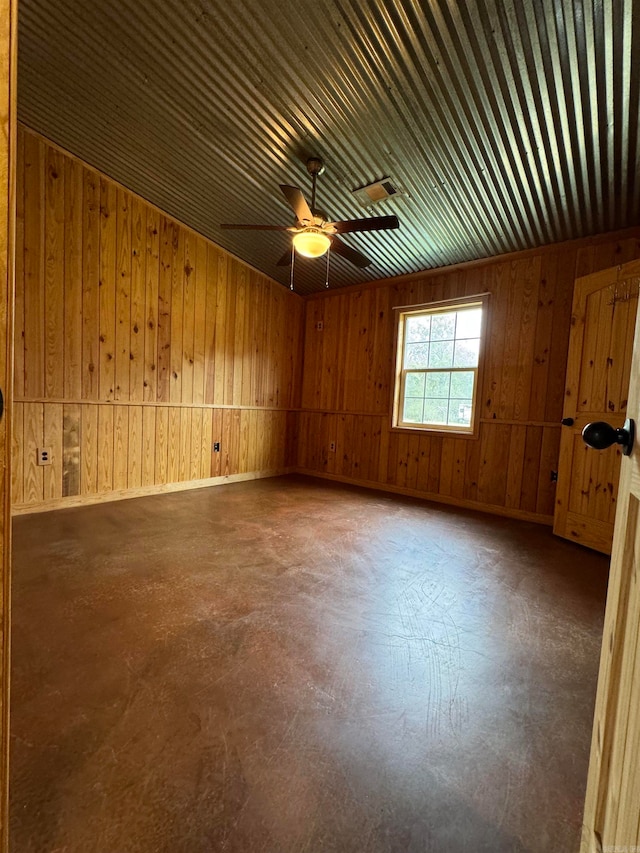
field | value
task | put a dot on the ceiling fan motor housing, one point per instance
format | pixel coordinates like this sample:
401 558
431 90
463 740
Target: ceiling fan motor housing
315 166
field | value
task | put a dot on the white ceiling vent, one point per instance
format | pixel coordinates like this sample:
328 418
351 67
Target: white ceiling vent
377 192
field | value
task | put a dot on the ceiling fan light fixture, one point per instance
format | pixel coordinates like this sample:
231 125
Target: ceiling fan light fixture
312 243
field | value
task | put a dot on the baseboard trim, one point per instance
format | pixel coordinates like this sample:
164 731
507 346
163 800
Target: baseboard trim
144 491
492 509
165 488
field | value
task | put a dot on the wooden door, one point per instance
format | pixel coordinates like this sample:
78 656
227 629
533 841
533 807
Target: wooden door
612 806
600 343
8 34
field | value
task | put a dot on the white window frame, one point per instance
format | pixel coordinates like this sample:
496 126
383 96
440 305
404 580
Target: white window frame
403 313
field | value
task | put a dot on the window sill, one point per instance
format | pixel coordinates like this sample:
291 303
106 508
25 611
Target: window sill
437 432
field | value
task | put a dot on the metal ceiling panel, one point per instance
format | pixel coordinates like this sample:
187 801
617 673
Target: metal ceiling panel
505 124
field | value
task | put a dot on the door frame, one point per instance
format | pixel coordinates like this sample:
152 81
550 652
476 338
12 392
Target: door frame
615 679
8 98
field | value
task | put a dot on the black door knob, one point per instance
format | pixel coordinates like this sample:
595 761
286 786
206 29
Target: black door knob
567 422
601 435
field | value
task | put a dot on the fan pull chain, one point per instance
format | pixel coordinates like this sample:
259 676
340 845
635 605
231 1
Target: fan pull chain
293 258
326 282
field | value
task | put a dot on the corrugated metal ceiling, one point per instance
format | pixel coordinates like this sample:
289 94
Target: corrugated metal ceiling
506 123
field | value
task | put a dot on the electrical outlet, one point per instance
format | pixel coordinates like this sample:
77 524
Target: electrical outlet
332 446
319 325
44 455
216 447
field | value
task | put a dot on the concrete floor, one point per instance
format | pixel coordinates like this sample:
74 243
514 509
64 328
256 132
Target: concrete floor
289 665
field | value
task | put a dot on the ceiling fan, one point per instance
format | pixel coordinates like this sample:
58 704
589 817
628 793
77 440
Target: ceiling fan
313 234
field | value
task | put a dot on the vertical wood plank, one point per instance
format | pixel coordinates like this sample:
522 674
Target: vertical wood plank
73 250
207 440
216 436
174 446
189 286
120 447
164 310
91 230
177 307
515 465
184 450
195 451
105 448
229 327
17 455
238 342
123 295
54 276
33 439
89 450
18 307
162 445
148 445
200 322
138 307
34 266
151 304
108 232
134 448
71 446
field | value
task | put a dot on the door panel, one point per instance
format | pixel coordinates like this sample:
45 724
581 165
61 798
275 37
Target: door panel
598 367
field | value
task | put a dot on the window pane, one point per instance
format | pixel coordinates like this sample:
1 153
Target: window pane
467 353
461 385
438 385
416 355
460 412
441 354
418 329
412 410
443 327
414 385
435 411
468 325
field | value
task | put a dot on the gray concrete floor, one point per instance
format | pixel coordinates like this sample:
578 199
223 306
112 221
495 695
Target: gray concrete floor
289 665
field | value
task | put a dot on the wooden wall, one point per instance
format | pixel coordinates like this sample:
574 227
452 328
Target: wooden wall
138 344
348 376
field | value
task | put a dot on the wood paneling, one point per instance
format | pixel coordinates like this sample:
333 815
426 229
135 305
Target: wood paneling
130 331
153 343
99 447
348 376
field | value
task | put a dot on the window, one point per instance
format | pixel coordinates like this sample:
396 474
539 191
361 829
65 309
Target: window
439 350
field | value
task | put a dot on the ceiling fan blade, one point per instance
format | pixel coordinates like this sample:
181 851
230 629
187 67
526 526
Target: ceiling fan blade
257 227
299 204
350 254
284 260
373 223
